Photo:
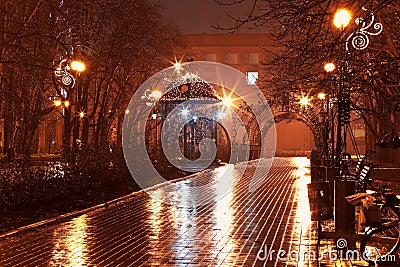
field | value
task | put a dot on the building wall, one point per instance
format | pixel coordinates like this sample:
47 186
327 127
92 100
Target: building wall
241 51
293 138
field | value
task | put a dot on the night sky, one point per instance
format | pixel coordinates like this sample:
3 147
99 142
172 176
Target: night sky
197 16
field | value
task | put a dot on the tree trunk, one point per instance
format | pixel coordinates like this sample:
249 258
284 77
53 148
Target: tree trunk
85 119
8 129
66 138
119 130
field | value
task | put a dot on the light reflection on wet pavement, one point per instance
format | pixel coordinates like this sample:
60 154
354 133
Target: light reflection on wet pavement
142 231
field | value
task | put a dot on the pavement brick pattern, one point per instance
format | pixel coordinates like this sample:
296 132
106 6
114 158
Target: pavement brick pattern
140 230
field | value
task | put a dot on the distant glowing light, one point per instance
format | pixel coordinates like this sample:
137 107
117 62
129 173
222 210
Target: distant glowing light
81 114
57 103
304 101
227 101
342 18
329 67
178 66
78 66
321 95
66 103
157 94
184 112
127 111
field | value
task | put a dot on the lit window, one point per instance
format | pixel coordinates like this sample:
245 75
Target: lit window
251 77
253 58
211 57
231 58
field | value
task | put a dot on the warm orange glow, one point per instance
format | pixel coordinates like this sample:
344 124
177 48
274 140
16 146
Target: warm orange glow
185 88
321 95
157 94
342 18
66 103
303 214
228 100
78 66
81 114
329 67
70 247
57 103
127 111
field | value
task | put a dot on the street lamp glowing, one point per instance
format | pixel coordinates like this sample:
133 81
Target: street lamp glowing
321 96
156 94
81 114
329 67
342 18
78 66
227 101
66 103
304 101
177 66
185 112
57 103
127 111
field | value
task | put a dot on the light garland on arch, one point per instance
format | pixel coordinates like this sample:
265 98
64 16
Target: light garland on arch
189 86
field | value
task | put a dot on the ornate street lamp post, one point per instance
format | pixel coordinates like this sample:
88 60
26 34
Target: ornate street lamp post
358 40
67 79
78 67
344 212
341 20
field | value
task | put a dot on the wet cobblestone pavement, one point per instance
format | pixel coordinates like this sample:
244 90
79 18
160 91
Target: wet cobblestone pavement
140 230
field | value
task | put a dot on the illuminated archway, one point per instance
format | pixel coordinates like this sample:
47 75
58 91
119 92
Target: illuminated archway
197 127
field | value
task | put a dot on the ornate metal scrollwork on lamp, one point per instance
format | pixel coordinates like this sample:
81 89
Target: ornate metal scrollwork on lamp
64 75
359 39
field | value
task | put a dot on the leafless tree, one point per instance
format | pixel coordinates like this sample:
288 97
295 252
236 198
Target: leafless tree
122 43
24 69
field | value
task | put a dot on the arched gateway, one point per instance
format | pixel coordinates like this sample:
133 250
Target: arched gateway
198 95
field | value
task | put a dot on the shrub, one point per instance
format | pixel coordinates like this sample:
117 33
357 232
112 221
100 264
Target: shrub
25 183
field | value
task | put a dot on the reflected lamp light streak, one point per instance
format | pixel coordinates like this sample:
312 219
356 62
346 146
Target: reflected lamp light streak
70 248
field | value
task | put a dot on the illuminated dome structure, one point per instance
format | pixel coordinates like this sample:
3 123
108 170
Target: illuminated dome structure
196 127
188 87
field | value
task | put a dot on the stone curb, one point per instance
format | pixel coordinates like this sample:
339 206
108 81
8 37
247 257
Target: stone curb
67 216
